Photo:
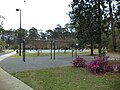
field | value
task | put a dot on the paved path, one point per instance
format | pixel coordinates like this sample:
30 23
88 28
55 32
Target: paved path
117 55
8 82
3 56
4 53
35 63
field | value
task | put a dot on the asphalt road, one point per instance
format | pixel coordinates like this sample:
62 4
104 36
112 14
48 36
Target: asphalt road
35 63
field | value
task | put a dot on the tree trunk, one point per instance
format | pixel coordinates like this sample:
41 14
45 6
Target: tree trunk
92 48
99 28
112 28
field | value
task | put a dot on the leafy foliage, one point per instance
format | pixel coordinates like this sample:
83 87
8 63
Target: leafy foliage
118 68
79 62
68 78
2 44
87 18
99 65
33 33
92 18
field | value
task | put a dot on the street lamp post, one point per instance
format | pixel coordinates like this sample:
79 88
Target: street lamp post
19 33
76 48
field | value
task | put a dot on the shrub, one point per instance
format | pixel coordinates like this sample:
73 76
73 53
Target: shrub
99 65
118 68
109 68
79 62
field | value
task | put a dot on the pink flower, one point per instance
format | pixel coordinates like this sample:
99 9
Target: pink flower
79 62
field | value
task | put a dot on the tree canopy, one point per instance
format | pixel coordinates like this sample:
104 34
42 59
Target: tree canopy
91 18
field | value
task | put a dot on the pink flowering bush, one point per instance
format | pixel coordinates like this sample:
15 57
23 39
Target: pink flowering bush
79 62
118 68
99 65
105 57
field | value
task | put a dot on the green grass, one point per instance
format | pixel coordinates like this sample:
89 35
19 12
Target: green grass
28 55
68 78
47 54
2 51
114 61
8 51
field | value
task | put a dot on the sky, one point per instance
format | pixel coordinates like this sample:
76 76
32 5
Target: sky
41 14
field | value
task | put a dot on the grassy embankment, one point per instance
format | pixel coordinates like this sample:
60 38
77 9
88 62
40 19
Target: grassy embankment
68 78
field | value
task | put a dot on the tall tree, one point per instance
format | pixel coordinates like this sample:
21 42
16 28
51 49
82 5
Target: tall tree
117 15
2 44
43 36
99 25
112 24
69 31
24 34
90 18
1 21
50 34
58 32
85 16
2 31
33 33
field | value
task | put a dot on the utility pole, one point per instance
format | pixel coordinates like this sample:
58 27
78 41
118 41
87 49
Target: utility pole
99 26
19 33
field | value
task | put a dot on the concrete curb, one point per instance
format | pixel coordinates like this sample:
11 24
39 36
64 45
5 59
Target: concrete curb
2 57
8 82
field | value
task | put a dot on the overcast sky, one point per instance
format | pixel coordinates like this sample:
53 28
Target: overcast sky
41 14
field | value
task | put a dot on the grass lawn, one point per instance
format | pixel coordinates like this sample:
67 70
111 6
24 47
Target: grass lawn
6 51
27 55
2 51
48 54
114 62
68 78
